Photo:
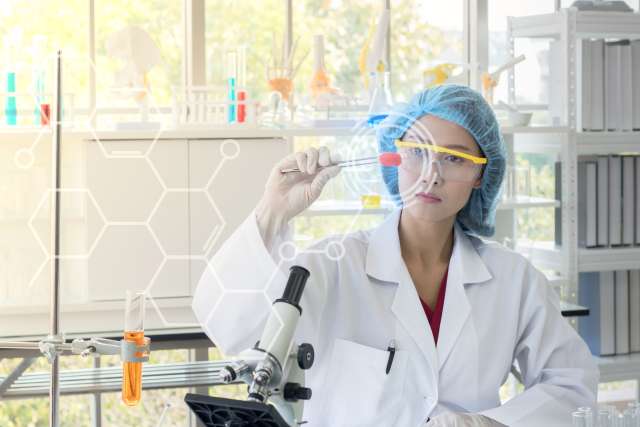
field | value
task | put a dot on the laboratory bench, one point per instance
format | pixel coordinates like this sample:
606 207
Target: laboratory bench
198 372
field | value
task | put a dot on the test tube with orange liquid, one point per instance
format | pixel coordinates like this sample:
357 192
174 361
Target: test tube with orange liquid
133 332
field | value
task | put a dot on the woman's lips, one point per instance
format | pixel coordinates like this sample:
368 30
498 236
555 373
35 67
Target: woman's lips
428 198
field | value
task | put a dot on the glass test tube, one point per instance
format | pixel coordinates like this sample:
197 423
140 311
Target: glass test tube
588 413
579 419
604 418
133 332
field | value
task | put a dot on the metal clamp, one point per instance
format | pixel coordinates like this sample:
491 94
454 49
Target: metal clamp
51 346
132 352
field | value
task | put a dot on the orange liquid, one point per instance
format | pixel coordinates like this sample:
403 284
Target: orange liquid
282 85
132 372
320 84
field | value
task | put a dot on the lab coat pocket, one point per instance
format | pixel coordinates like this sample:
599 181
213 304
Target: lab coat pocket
359 391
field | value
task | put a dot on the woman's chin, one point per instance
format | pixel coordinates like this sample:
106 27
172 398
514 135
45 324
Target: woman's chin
432 212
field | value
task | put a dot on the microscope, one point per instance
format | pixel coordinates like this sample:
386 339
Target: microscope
273 371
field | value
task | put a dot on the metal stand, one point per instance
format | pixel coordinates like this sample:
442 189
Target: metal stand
55 344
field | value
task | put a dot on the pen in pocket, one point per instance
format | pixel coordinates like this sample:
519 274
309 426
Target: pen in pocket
392 351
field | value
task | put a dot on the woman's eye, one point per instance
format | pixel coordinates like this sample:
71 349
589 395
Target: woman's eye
454 159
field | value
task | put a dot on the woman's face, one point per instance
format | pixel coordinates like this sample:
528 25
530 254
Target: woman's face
427 194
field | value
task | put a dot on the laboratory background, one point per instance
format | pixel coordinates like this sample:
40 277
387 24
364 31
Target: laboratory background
135 137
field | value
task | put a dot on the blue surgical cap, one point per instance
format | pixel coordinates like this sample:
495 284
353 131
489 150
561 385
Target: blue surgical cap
466 108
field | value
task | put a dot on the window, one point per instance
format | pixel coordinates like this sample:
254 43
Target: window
30 33
423 34
162 21
536 66
235 24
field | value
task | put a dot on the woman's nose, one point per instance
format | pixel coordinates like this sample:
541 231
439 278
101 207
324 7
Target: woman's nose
434 174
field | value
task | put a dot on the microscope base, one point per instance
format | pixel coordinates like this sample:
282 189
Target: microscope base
221 412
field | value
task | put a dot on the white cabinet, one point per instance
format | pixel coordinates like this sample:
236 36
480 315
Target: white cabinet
135 215
226 180
167 207
145 243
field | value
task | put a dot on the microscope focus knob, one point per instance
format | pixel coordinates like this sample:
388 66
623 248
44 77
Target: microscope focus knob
306 356
294 391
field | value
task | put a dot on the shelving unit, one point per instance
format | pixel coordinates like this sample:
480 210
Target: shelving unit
568 26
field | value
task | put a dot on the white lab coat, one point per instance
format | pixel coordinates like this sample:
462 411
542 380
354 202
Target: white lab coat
498 310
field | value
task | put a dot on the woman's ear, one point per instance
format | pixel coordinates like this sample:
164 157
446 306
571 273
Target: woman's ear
478 182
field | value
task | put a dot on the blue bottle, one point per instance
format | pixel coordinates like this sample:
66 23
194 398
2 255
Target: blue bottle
10 109
232 97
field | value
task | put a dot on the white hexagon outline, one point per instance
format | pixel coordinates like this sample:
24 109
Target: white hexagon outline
39 206
155 240
152 107
274 275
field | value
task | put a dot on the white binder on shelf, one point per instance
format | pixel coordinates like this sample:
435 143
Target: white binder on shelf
603 200
587 203
612 86
635 68
615 200
628 199
592 205
584 85
597 84
634 311
622 311
626 86
596 291
557 102
637 225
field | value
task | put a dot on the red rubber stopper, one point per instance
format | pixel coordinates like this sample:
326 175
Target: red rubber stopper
390 159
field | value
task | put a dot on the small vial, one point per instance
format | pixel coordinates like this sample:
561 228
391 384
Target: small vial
579 419
604 418
588 413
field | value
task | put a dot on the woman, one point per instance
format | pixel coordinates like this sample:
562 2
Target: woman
459 311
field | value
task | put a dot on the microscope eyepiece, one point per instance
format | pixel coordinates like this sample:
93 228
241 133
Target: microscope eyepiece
295 285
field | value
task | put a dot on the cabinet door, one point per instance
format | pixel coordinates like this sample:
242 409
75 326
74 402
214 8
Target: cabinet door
141 189
25 230
227 179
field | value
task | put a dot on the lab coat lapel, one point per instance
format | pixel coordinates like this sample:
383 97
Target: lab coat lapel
410 314
465 267
384 262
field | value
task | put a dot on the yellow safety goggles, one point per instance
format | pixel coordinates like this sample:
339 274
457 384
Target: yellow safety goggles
437 149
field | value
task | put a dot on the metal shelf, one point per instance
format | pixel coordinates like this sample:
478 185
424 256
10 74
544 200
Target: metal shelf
524 202
607 259
543 254
351 207
548 255
589 24
511 130
607 142
619 368
587 143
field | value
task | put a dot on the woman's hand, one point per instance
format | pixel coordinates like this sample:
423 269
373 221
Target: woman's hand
288 194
